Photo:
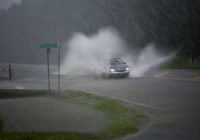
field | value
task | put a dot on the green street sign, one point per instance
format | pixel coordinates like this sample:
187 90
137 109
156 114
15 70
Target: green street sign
48 45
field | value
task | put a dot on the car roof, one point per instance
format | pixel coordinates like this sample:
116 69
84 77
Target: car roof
116 60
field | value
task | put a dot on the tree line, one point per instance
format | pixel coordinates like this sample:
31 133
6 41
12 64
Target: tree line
171 25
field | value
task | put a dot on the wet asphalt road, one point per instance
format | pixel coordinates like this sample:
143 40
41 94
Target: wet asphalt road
172 104
170 98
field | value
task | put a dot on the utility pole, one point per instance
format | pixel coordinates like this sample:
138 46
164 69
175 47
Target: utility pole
58 66
49 86
10 72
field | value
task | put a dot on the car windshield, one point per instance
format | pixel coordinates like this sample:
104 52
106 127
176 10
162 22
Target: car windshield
115 61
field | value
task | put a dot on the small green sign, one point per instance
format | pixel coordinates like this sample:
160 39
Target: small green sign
49 45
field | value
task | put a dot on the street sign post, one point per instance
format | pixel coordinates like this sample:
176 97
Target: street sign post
48 47
49 85
58 66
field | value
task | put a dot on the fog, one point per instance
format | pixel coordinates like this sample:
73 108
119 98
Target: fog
86 55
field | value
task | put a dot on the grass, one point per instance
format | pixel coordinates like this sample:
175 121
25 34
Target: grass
47 136
181 64
123 120
1 124
13 93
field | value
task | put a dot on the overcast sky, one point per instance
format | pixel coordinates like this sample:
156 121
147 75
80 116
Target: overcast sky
6 3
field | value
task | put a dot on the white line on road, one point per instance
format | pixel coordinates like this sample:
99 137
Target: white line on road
128 101
161 74
140 104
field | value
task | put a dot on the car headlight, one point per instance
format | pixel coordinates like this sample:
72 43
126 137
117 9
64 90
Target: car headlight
127 69
112 70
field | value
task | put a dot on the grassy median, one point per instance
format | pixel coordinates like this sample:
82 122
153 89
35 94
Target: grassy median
123 120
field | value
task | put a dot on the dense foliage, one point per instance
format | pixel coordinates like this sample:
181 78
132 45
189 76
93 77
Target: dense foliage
171 25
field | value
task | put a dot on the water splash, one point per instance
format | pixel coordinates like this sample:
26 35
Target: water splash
86 54
148 58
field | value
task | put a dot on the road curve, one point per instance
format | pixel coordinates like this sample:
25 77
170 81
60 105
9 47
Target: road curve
170 98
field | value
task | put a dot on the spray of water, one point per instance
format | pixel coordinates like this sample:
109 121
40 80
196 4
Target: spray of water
147 59
86 54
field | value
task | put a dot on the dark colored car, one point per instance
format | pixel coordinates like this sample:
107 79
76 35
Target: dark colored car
117 68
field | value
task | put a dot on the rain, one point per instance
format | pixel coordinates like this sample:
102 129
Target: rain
100 69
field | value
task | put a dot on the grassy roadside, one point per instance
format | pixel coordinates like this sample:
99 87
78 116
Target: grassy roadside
47 136
180 64
123 120
13 93
1 124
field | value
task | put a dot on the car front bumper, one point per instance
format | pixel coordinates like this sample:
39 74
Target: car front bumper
115 73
